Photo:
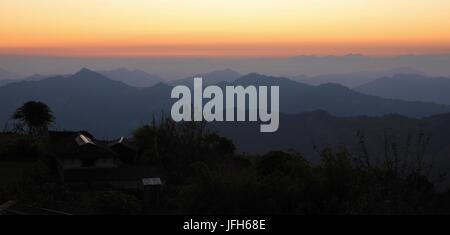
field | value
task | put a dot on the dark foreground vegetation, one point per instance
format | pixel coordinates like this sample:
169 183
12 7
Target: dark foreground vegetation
203 174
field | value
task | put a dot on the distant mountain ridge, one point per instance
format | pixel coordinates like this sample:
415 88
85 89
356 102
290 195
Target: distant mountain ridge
7 75
411 87
176 68
108 108
88 100
336 99
135 78
355 79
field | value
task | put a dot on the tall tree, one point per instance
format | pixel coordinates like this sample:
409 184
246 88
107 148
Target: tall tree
34 117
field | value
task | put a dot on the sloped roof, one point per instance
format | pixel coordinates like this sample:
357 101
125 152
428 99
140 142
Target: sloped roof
69 144
83 140
124 142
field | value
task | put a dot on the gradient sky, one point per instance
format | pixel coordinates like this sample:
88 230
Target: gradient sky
223 27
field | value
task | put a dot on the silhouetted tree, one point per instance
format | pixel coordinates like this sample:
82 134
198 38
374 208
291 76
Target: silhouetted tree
33 117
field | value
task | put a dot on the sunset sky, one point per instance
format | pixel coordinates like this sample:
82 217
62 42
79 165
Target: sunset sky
223 28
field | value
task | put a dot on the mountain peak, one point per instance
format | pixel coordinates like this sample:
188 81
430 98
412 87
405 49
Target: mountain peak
86 71
132 77
89 74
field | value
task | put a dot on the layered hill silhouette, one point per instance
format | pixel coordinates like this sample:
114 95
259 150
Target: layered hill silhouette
135 78
107 108
355 79
297 97
410 87
89 100
309 133
176 68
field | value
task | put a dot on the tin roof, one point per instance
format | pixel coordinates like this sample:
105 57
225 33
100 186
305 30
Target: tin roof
83 140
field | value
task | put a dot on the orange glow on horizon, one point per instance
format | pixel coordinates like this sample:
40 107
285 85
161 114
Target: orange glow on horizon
223 28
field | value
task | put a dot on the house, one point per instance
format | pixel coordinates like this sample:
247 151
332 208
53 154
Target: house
80 150
126 149
84 163
88 163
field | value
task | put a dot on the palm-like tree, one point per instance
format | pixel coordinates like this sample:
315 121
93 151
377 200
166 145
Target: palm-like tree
34 117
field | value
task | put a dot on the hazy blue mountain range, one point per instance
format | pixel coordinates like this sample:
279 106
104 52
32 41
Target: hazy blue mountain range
176 68
410 87
91 101
352 80
88 100
7 77
34 77
298 97
136 78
